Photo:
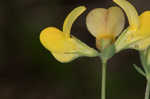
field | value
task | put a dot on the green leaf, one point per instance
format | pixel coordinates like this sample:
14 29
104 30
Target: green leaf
139 70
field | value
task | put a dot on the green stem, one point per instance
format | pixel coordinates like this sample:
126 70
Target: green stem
147 92
103 88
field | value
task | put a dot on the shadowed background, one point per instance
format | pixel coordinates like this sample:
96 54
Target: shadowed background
29 71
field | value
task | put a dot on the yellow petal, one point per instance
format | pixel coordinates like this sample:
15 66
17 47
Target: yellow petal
71 18
55 40
101 21
64 49
58 44
131 13
145 23
143 31
141 38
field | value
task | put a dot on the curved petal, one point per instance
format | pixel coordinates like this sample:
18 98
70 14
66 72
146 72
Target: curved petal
71 18
131 12
101 21
64 49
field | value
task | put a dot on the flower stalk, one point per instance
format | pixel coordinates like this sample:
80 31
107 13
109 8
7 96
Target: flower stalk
147 92
104 71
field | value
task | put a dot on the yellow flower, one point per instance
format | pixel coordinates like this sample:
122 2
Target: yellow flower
63 46
105 25
137 35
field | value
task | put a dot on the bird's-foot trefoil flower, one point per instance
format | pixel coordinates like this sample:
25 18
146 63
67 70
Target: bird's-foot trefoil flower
63 46
105 25
137 35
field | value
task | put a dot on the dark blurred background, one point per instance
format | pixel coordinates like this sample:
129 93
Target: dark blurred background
29 71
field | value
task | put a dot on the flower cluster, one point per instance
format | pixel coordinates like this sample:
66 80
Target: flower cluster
105 25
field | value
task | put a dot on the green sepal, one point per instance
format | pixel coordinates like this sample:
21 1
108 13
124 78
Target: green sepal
143 60
108 52
139 70
148 58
